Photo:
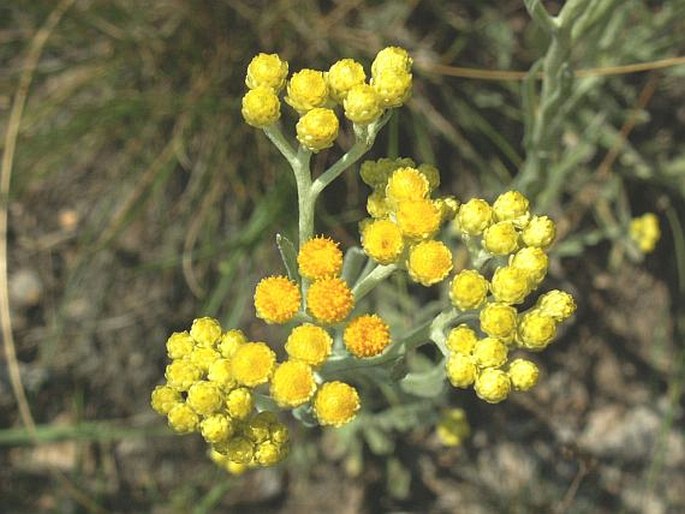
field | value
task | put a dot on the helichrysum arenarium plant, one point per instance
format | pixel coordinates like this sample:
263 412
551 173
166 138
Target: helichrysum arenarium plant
232 390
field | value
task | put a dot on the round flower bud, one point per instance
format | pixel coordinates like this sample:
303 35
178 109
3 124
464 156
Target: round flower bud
336 404
392 87
220 374
240 450
462 339
492 385
278 433
317 129
512 206
239 403
523 374
377 205
557 304
179 345
468 290
432 175
252 364
319 257
406 184
645 231
382 240
510 285
536 330
362 105
452 428
461 370
230 341
418 219
258 428
206 331
269 454
216 428
539 232
182 419
498 320
532 260
277 299
366 336
343 76
474 217
449 206
490 352
204 398
307 89
266 70
310 344
429 262
500 238
181 374
292 384
261 107
392 58
329 300
164 398
203 357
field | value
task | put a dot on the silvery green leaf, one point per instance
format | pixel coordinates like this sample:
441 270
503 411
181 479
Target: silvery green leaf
289 256
427 384
379 442
305 415
353 263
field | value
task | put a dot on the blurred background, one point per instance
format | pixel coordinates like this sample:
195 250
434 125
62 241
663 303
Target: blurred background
138 200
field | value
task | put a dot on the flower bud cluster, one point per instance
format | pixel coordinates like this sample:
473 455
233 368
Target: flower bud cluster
405 219
315 94
209 389
645 231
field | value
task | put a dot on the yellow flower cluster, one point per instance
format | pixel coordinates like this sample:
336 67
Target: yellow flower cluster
405 219
645 232
315 94
209 389
452 427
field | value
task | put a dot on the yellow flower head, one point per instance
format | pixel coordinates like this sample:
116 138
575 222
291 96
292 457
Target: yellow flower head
376 173
501 238
510 285
523 374
449 206
532 260
512 206
203 357
461 370
258 428
490 352
317 129
204 398
320 257
230 341
329 300
336 403
307 89
429 262
492 385
277 299
498 320
239 403
343 76
183 419
474 217
241 450
261 107
536 330
269 454
462 339
366 336
292 384
362 105
181 374
418 219
252 364
216 428
382 240
179 345
266 70
220 374
468 290
557 304
539 232
392 58
377 205
310 344
432 175
164 398
206 331
392 87
406 184
452 428
645 231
